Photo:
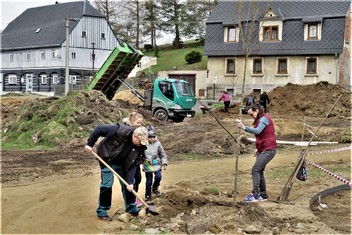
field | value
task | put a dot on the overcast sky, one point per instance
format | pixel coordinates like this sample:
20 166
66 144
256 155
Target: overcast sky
10 9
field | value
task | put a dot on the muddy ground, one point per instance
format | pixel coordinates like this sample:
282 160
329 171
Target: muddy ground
56 191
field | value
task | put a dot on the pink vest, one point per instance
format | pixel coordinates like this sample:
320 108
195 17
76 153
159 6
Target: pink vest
266 140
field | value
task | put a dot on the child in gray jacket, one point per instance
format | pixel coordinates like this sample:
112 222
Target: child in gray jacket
156 161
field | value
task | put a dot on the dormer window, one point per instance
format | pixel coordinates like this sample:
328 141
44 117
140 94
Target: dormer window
312 28
312 31
270 33
231 34
270 27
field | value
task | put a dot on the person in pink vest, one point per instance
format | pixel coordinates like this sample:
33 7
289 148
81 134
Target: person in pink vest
227 99
265 143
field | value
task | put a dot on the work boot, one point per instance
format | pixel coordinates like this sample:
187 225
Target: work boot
157 193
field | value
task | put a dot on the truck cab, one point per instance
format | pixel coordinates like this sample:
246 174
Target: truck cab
171 99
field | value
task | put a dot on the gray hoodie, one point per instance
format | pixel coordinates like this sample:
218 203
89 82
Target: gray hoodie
155 157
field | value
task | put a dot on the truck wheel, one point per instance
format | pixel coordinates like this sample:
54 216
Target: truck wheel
161 115
178 119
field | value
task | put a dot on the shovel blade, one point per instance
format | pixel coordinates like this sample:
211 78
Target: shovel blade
152 210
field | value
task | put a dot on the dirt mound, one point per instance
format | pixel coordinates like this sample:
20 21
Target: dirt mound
313 100
60 121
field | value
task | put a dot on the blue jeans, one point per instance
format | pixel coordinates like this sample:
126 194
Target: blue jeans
105 196
149 182
259 185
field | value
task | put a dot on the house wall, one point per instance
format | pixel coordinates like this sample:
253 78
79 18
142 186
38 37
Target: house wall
200 79
81 67
345 72
326 71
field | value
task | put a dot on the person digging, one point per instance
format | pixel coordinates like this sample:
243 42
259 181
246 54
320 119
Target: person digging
120 149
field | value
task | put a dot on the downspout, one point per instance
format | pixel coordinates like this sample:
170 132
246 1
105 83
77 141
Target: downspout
337 58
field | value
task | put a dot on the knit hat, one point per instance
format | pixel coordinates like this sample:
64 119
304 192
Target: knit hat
142 134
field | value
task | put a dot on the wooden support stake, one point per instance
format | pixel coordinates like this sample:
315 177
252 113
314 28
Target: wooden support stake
286 190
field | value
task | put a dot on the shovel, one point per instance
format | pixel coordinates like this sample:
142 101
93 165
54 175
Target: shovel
150 208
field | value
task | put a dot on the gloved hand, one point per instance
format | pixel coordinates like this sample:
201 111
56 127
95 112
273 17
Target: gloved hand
164 167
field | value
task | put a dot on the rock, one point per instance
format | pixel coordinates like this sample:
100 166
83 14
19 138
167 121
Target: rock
151 231
199 227
252 229
125 217
275 230
142 213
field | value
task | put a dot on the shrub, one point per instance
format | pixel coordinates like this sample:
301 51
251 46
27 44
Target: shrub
193 57
148 47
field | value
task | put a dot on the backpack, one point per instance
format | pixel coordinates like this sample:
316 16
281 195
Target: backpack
302 174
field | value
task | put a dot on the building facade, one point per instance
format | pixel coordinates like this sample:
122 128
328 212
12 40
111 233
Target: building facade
33 49
272 43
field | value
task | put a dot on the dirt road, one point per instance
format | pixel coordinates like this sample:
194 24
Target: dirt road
64 201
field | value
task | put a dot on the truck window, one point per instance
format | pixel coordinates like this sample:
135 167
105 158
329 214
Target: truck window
166 89
183 89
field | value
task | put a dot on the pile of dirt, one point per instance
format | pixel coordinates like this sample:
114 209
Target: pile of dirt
60 121
313 100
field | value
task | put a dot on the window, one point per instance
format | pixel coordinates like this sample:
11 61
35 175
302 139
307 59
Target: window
231 34
44 79
257 66
270 33
311 65
12 79
42 55
73 80
282 66
11 57
102 35
166 89
230 66
54 54
55 79
28 56
312 31
73 55
83 33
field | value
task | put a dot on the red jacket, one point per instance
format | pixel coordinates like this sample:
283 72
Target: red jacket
266 140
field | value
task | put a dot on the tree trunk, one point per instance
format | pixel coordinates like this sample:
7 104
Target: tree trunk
137 24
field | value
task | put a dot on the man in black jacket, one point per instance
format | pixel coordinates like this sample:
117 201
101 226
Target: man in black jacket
264 100
123 149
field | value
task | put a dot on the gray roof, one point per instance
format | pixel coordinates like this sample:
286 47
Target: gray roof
294 14
21 32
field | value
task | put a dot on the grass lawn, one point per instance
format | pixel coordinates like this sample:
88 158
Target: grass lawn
169 59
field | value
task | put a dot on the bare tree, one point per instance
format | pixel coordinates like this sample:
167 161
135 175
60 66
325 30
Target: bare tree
246 22
172 12
196 14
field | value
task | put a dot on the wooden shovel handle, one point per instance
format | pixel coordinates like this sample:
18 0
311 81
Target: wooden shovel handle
119 177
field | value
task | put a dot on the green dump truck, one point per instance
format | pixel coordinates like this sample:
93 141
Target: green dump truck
170 98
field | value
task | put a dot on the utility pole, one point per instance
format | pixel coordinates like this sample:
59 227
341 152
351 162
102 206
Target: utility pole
67 59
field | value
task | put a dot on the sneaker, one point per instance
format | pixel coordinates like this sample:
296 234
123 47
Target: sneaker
252 198
138 202
106 218
148 199
157 193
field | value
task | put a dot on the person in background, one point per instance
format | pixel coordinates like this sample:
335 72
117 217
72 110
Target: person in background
227 99
264 100
155 162
264 131
136 120
250 100
122 147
